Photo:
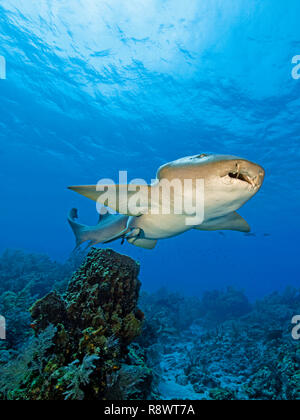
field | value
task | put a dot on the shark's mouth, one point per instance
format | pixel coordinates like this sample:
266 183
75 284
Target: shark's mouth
241 177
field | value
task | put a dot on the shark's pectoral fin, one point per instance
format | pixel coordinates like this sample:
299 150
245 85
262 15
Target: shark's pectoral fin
131 200
232 221
143 243
136 237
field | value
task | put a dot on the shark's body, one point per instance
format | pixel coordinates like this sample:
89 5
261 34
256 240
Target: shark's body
229 182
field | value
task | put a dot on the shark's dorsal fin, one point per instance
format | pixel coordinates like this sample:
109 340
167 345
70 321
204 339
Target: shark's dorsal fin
131 200
232 221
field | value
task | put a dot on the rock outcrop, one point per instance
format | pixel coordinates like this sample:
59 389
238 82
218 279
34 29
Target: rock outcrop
95 322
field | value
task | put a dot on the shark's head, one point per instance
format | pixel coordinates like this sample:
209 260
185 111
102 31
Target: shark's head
229 181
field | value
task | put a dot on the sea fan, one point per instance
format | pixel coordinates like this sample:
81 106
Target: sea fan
79 375
14 373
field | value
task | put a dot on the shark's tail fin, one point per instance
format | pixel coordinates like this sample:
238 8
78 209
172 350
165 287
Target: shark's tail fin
109 228
78 229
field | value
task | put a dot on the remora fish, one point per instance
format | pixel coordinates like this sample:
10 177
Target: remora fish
229 182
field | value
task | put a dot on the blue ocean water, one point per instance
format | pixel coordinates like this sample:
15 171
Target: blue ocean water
94 87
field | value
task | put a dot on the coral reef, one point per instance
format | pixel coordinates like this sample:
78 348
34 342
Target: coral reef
221 305
23 279
95 321
86 339
250 355
167 314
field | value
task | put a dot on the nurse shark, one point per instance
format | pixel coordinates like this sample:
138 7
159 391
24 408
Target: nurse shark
226 184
